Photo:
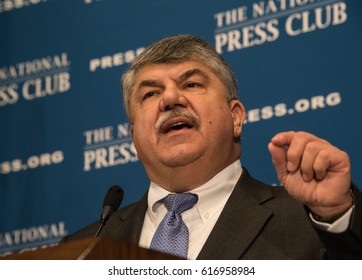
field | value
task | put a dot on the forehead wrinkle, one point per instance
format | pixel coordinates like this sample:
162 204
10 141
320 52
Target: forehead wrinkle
184 76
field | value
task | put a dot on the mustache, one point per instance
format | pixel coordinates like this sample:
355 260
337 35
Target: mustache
176 112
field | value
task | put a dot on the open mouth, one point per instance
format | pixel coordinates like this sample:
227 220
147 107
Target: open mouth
177 126
176 120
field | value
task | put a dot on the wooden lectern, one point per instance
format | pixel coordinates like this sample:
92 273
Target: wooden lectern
99 248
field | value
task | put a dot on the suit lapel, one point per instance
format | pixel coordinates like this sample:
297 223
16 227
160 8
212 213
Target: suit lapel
132 221
240 222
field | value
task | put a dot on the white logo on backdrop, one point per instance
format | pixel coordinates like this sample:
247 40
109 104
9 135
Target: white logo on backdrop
108 146
248 26
33 79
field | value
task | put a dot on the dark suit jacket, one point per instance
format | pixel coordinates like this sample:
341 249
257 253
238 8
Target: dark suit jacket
258 222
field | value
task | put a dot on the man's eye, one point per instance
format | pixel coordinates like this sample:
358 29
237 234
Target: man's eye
148 94
192 85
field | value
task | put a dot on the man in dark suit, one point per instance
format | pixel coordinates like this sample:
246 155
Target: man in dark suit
181 99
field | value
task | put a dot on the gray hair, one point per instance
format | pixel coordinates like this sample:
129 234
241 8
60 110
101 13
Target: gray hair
177 49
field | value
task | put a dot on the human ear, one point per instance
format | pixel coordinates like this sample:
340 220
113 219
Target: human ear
238 114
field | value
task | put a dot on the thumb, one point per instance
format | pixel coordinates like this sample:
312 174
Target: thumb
279 159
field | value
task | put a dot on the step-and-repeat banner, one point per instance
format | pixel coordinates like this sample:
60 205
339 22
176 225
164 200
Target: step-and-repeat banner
64 135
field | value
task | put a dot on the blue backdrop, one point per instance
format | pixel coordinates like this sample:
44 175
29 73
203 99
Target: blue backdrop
65 138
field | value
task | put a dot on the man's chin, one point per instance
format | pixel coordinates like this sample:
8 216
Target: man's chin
180 160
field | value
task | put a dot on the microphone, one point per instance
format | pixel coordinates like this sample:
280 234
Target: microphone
111 203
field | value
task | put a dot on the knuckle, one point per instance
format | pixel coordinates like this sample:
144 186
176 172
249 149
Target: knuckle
313 146
292 155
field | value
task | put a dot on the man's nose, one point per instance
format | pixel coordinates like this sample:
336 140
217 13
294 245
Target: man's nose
171 98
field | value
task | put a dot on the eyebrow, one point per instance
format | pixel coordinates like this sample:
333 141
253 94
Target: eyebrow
148 83
192 72
184 76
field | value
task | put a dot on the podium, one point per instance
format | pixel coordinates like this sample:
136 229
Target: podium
99 248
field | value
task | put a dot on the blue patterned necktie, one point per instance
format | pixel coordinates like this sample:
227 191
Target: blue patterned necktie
172 235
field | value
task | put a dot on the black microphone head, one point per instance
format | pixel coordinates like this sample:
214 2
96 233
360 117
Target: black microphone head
113 197
111 202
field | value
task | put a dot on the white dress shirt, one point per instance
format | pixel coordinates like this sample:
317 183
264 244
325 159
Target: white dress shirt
201 219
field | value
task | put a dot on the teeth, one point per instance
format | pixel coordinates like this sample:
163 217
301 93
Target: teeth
176 124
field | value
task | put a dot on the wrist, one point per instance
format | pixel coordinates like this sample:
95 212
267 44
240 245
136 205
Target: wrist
331 218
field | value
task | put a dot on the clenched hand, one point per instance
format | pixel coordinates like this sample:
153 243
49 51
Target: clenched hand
313 172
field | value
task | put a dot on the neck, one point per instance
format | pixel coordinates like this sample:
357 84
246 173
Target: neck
189 177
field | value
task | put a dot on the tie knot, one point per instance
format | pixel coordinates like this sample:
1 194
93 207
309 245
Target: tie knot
180 202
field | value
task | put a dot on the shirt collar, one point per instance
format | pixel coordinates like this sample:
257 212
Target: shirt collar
212 195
